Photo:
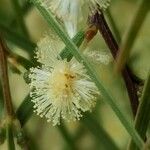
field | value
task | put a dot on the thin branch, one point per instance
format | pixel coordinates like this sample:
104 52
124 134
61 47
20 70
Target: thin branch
7 99
10 139
5 82
113 25
143 114
99 21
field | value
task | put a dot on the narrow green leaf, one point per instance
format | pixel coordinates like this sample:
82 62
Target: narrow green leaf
10 138
21 60
74 50
143 115
24 62
77 39
25 110
132 32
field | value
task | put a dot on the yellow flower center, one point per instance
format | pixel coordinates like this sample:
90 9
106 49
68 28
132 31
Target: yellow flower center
62 81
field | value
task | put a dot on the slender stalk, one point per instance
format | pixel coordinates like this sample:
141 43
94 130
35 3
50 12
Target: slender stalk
10 139
66 135
143 115
113 25
5 82
10 115
79 56
20 135
100 22
25 110
1 102
20 19
18 60
131 34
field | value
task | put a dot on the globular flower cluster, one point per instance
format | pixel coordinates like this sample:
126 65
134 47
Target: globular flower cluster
60 89
70 11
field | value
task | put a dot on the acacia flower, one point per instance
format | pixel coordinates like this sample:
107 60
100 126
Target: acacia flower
69 11
60 89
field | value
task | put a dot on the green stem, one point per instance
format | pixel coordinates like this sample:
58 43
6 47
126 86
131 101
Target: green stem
131 34
66 135
143 115
25 110
9 136
77 39
74 50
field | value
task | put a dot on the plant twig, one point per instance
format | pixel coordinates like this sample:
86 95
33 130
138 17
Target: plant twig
5 82
113 25
143 115
9 135
10 114
99 21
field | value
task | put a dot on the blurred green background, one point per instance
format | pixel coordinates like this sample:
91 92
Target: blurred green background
43 134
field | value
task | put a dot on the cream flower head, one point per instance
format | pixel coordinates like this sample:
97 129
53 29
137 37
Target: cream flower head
69 11
60 89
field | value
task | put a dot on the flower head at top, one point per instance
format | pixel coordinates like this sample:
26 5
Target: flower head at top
60 89
69 11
